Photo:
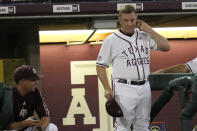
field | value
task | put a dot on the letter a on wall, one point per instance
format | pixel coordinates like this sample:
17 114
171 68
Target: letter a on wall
79 106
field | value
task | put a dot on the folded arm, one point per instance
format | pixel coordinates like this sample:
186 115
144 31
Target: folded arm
22 124
179 68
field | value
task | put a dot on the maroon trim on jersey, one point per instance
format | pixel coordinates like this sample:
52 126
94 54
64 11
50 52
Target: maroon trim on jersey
102 65
133 53
45 108
113 88
140 55
189 67
129 35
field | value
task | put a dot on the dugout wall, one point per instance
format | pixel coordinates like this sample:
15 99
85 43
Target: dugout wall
75 96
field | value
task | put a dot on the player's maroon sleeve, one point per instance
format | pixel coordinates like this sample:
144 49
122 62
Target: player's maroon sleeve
40 106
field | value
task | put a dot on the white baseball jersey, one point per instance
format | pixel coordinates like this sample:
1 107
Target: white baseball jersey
129 56
192 65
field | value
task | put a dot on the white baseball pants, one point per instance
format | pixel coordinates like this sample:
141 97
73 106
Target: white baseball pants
135 102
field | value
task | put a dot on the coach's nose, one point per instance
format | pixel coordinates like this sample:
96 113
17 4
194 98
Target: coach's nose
129 23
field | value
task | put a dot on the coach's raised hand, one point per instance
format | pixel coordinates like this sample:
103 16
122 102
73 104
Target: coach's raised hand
143 26
162 42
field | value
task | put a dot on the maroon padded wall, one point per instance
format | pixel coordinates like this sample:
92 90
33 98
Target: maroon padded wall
56 87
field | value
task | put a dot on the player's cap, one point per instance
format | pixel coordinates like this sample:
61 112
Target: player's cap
113 109
26 72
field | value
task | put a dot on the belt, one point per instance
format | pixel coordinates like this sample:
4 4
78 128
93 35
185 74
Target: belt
131 82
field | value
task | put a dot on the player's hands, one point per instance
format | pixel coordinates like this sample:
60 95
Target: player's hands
31 121
108 93
143 26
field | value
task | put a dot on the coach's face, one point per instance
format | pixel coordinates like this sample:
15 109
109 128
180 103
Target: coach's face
128 22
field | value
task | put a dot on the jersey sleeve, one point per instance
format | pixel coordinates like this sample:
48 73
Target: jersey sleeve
192 65
105 55
152 42
41 108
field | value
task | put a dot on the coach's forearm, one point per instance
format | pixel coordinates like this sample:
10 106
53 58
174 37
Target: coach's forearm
44 121
101 72
162 42
179 68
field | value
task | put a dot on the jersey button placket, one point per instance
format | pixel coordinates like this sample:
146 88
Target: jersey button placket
128 82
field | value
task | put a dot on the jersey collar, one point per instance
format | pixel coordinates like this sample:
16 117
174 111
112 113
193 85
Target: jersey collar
129 38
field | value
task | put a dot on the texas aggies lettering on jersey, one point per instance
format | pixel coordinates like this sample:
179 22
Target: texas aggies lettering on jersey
139 61
130 56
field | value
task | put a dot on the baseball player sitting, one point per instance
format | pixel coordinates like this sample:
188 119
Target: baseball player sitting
128 50
189 67
191 108
27 99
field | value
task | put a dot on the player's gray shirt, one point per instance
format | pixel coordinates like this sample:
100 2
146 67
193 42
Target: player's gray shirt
129 56
192 65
